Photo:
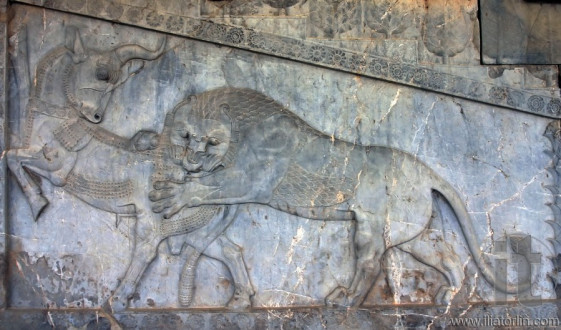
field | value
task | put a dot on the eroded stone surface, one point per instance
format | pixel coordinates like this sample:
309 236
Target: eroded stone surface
449 163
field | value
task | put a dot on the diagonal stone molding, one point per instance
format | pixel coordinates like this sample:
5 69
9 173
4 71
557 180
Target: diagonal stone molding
387 69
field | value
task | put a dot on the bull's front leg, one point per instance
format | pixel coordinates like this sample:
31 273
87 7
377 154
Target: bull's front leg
30 188
231 255
146 240
50 162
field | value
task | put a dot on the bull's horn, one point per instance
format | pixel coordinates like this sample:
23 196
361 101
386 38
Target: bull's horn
130 52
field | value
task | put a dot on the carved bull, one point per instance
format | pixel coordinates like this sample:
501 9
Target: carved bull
71 90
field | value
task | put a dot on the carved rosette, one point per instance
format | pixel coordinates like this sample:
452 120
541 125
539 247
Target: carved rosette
247 7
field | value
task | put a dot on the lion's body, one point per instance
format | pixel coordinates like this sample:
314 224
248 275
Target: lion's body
277 159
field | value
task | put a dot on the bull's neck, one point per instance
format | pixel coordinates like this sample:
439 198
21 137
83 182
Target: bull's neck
48 92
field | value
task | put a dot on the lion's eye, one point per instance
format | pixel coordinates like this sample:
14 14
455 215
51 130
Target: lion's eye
213 141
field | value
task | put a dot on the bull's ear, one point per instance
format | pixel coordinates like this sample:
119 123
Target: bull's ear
74 44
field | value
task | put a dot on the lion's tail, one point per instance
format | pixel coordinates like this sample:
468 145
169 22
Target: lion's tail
468 231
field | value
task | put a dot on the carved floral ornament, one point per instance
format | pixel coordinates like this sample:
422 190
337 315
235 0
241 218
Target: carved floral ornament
326 56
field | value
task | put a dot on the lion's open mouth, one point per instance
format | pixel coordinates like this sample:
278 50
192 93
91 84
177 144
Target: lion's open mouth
193 158
195 162
201 163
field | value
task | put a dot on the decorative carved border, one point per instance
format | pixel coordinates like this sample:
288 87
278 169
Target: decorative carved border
553 133
3 144
313 53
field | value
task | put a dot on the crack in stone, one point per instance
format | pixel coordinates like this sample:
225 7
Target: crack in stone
424 128
392 105
514 196
500 170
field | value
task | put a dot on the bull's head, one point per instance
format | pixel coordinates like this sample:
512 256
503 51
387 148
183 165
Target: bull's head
93 75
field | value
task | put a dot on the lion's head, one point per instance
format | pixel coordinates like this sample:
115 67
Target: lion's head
204 130
199 138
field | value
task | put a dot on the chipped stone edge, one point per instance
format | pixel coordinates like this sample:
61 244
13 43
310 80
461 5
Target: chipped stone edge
309 318
305 51
3 146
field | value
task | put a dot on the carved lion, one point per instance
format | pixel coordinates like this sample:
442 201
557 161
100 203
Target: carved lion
240 146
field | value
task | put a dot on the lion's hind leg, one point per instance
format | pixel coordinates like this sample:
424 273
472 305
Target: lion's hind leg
369 247
438 248
433 250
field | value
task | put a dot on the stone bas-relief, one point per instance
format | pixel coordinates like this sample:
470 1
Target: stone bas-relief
274 158
266 194
53 142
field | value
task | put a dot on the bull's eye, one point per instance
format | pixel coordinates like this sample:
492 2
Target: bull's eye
102 74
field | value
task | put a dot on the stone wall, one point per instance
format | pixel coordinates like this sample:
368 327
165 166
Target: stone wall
264 164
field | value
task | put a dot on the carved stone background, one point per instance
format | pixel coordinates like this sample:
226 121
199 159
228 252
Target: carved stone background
74 255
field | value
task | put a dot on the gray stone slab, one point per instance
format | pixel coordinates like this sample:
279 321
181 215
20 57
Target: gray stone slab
161 181
542 316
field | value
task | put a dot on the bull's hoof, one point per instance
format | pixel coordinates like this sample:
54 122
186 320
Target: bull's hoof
115 305
38 204
239 301
107 312
338 298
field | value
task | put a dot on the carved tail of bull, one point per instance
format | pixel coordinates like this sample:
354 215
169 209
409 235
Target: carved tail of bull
468 231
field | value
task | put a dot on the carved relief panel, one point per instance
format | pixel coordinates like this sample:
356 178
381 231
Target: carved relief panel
151 171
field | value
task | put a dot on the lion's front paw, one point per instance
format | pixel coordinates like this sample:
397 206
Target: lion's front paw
144 140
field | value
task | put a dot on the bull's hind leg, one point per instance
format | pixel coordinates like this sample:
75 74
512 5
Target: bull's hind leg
369 246
225 250
30 188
